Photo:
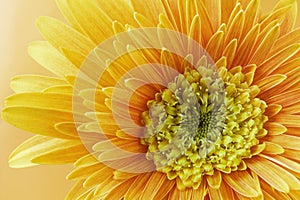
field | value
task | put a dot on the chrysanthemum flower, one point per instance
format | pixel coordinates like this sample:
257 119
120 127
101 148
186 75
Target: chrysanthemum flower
164 123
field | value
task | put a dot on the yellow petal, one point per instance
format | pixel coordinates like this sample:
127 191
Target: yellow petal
134 164
142 20
85 171
120 191
107 186
123 175
292 82
242 183
87 160
65 10
76 191
47 56
34 147
45 100
34 83
295 194
63 36
74 56
91 18
37 120
98 177
114 154
62 89
65 155
154 8
164 22
68 128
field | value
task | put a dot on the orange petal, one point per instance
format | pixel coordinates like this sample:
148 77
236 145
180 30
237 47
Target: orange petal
154 185
215 180
246 46
134 191
269 82
268 172
286 98
286 40
119 191
272 110
291 154
275 128
286 141
272 148
288 120
242 183
284 162
265 45
277 59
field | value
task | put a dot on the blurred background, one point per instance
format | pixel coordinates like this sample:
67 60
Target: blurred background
17 22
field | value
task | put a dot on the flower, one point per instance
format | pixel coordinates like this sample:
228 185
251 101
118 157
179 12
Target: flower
145 113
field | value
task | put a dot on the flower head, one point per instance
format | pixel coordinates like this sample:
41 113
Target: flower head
190 99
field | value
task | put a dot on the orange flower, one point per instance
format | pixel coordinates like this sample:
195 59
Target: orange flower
190 99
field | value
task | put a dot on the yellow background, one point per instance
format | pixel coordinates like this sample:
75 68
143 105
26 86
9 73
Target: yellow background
17 22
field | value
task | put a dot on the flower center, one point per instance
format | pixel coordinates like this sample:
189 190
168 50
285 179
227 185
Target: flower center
204 121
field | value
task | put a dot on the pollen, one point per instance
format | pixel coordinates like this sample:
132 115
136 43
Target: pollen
205 120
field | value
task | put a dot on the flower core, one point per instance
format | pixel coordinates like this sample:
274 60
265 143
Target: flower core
205 120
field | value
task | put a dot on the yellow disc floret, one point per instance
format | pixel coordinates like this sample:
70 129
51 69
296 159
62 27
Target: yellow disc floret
205 120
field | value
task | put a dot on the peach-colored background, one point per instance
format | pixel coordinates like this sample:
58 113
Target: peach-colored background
17 22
